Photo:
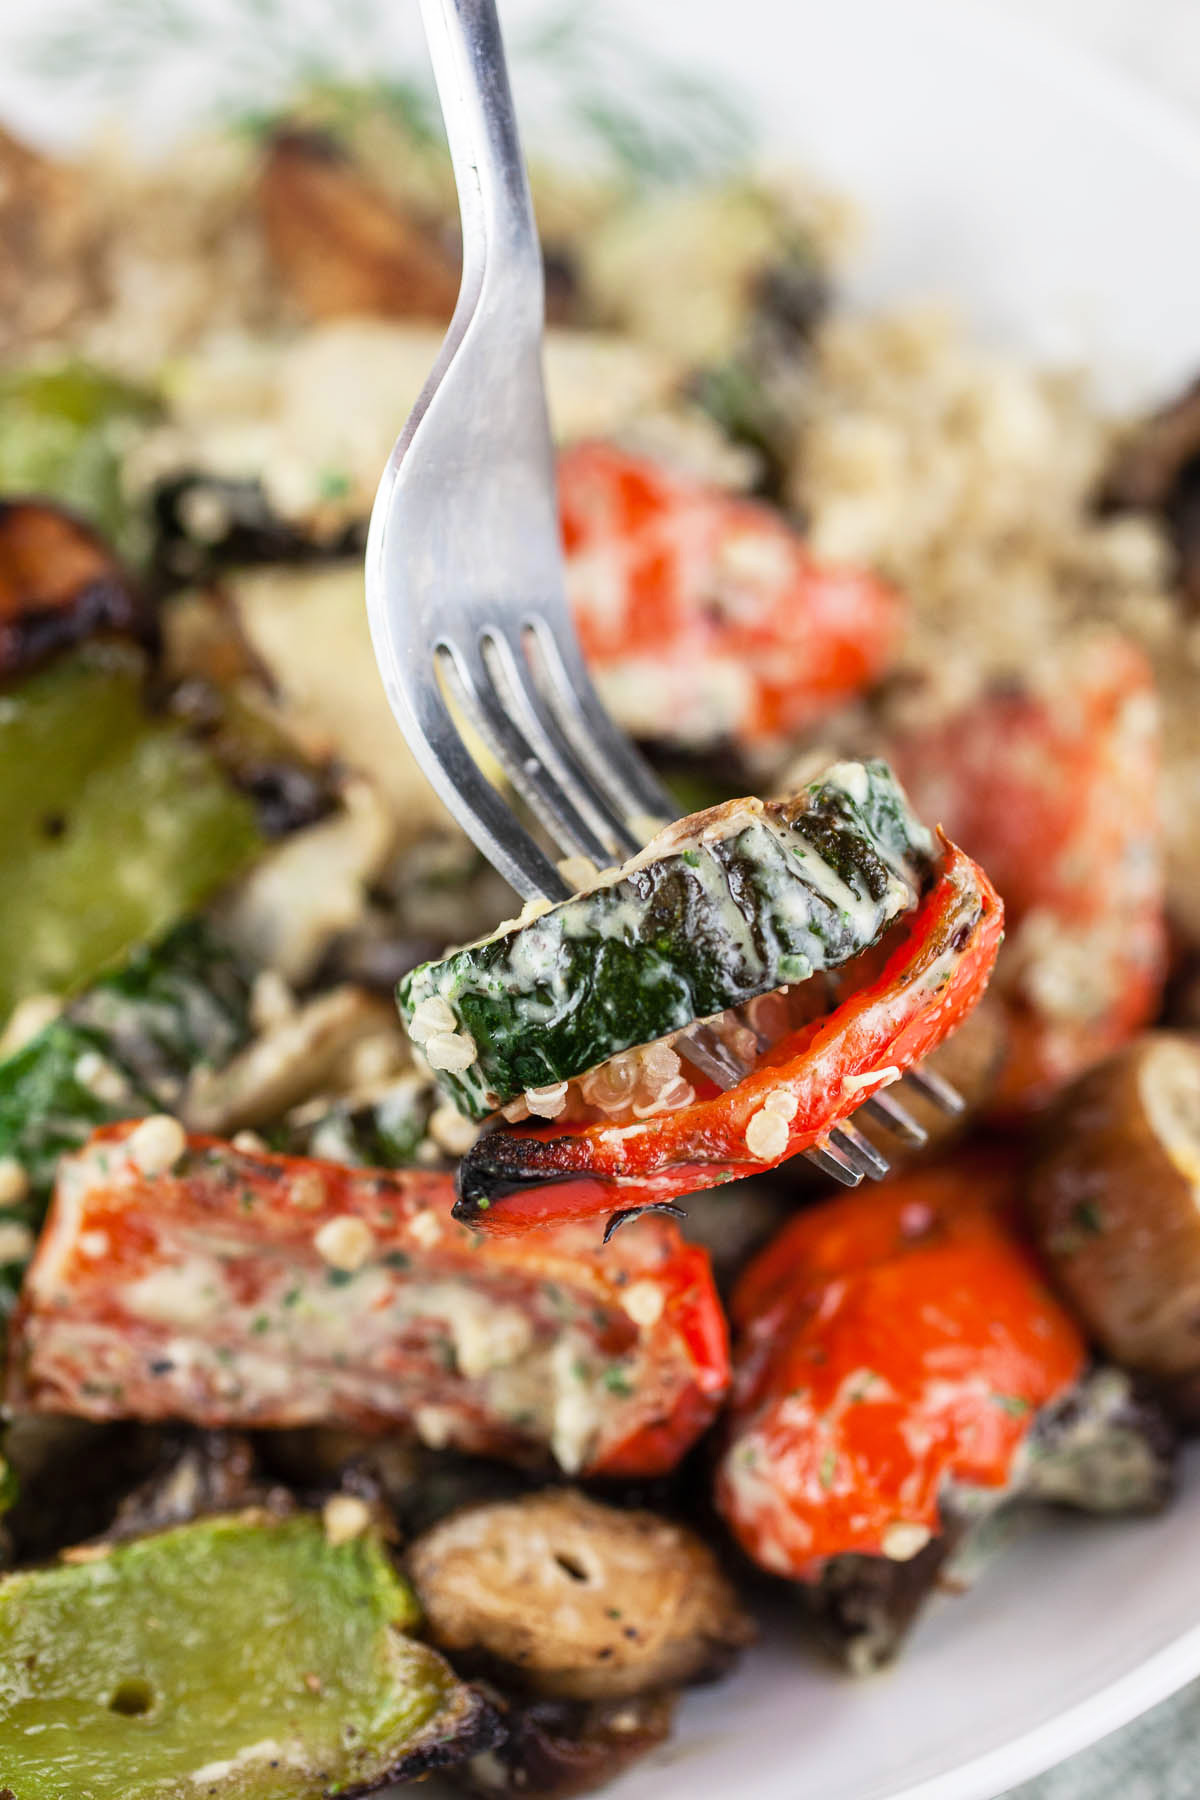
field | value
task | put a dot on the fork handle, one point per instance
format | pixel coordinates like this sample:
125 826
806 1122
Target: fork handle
501 258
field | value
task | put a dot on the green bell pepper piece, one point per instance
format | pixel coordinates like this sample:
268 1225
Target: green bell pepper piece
66 430
243 1657
113 825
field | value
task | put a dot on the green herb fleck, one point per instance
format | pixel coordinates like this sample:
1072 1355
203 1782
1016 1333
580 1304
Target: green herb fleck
339 1277
617 1382
333 484
828 1469
1088 1217
1012 1404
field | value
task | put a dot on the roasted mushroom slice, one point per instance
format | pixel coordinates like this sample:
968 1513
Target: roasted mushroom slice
244 1656
63 1479
198 1473
1158 469
565 1597
59 585
553 1749
1115 1201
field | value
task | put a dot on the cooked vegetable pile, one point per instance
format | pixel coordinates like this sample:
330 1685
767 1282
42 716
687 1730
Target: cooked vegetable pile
346 1436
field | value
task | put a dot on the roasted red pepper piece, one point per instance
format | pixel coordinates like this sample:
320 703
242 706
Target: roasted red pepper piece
1053 784
704 615
886 1342
913 990
246 1289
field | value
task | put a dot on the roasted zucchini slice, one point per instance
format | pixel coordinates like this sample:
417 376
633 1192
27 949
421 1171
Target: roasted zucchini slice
125 1047
720 907
249 1656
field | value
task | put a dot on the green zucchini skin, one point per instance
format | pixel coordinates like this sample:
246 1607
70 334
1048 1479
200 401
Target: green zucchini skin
725 905
124 1048
246 1656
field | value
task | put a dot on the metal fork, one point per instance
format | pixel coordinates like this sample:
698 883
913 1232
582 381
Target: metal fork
466 593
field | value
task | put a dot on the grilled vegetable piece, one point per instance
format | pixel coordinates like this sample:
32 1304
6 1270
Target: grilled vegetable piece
718 908
1104 1447
905 997
246 1289
59 585
343 247
63 1479
562 1596
113 825
1157 469
124 1047
888 1345
972 1060
65 432
1107 1446
863 1607
382 1132
1115 1201
196 1474
249 1656
554 1749
1051 782
704 616
306 1049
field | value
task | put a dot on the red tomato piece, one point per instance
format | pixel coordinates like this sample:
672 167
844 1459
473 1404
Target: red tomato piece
246 1289
886 1342
703 615
1054 785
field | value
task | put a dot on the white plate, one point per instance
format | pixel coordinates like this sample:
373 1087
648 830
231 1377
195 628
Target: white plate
1057 205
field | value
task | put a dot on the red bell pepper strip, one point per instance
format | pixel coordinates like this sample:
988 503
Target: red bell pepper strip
937 963
886 1342
1053 784
703 615
247 1289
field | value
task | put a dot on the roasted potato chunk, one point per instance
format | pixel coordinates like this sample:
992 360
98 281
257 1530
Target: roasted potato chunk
1115 1200
575 1600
